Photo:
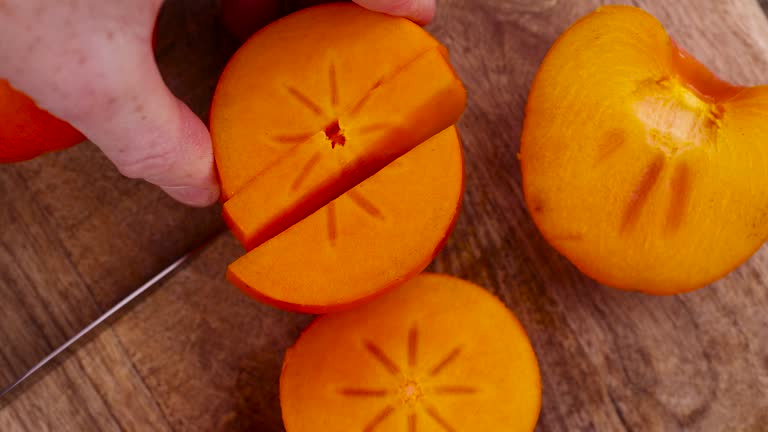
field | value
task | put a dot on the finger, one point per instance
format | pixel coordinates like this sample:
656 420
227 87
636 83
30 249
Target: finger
144 130
420 11
120 102
100 75
147 132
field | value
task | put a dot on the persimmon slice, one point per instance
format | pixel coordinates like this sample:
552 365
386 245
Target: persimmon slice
27 131
420 99
301 75
372 238
341 170
436 354
639 165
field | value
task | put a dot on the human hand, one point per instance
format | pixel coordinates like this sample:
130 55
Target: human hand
90 62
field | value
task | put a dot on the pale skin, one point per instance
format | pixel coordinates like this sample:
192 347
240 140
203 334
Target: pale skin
90 62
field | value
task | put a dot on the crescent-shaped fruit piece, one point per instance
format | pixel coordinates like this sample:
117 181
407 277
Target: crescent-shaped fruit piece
374 237
341 170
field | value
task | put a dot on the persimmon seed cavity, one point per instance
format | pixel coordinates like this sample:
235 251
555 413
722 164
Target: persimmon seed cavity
334 134
410 392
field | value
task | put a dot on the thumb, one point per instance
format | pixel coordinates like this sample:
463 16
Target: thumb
126 109
420 11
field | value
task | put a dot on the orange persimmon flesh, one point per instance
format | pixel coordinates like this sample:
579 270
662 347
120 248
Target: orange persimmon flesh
375 236
304 73
27 131
423 98
436 354
639 165
340 168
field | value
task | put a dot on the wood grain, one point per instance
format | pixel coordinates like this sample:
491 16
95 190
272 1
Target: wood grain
205 356
199 355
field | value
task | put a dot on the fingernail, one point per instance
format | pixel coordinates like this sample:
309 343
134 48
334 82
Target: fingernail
193 196
423 11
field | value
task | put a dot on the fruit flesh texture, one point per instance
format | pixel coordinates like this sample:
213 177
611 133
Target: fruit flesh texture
639 165
341 183
372 238
305 71
420 99
28 131
438 352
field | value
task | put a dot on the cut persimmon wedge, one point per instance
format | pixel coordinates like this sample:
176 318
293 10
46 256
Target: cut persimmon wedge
639 165
375 236
436 354
341 170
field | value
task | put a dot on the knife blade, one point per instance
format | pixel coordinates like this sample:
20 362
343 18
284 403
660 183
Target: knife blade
109 313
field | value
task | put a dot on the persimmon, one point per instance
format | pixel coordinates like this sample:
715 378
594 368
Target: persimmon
639 165
27 131
339 166
436 354
321 66
375 236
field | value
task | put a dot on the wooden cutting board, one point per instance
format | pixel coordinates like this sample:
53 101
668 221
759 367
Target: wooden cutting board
198 355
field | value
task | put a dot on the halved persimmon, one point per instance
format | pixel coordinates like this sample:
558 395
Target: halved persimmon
436 354
421 99
27 131
639 165
340 168
375 236
330 66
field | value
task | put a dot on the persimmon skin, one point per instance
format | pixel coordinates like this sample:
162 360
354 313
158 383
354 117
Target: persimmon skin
27 131
639 165
435 354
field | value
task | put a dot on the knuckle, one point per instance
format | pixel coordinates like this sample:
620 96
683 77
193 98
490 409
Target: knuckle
155 162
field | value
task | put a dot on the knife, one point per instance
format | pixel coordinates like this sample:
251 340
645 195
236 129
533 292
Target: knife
109 313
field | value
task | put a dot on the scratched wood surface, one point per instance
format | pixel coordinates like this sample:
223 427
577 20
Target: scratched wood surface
196 354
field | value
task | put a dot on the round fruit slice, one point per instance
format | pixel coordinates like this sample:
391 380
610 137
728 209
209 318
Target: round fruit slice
341 170
329 71
374 237
423 98
639 165
436 354
26 131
